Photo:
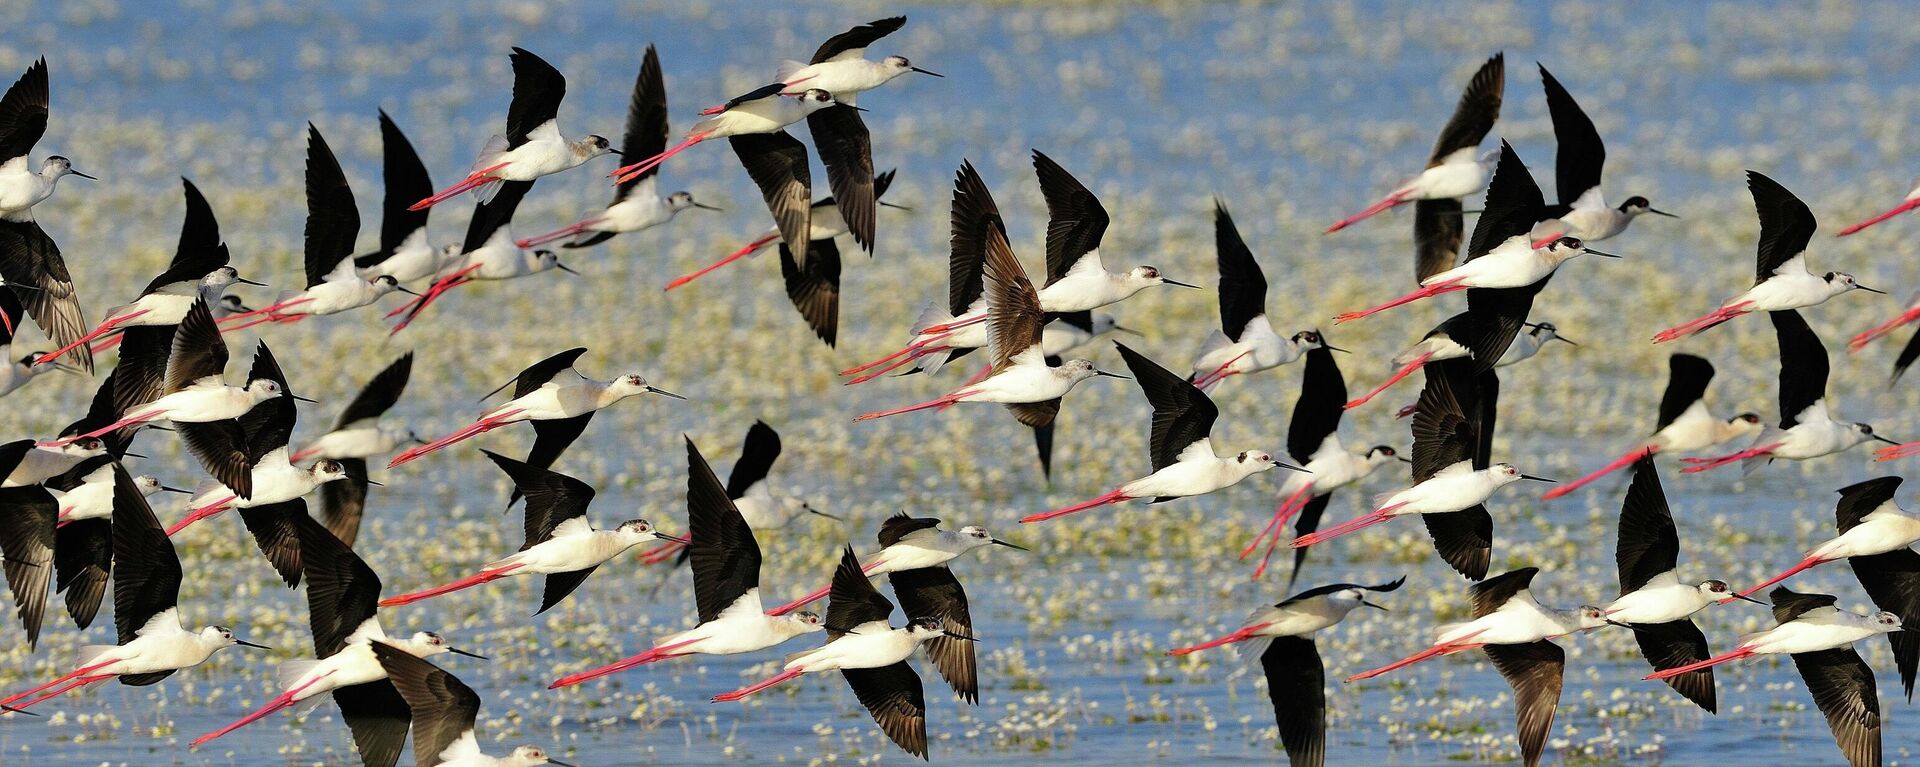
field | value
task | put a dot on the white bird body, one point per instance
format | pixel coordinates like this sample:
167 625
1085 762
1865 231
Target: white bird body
843 77
364 438
575 545
1302 617
1884 529
1514 263
927 547
43 463
553 400
93 497
500 259
168 304
1819 629
546 152
342 291
1088 285
1520 621
1435 348
1259 348
643 208
1459 174
1814 434
161 645
1525 345
353 664
1197 470
1058 338
763 510
22 188
275 480
1662 600
1792 286
208 399
763 115
743 627
1590 218
1455 488
1332 467
465 752
15 375
1698 429
1027 378
869 645
415 259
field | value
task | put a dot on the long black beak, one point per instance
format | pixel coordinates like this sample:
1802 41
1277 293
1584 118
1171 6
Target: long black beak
665 393
893 206
1404 459
304 399
458 651
1566 339
665 537
373 483
1181 284
166 489
131 455
834 517
245 281
1332 348
245 643
998 542
926 72
1888 441
1592 252
1629 626
1290 467
404 290
82 175
12 710
703 206
1537 479
1131 331
1381 608
852 107
962 637
1745 598
1112 375
565 268
551 760
1659 212
1869 290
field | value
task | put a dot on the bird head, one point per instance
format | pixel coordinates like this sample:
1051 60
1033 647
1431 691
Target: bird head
679 201
1590 617
328 470
1638 206
56 166
221 636
805 621
975 536
426 644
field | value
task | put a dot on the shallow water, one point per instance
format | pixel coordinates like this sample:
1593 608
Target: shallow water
1293 115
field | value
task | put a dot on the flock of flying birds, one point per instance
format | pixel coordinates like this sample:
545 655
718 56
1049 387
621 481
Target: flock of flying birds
74 520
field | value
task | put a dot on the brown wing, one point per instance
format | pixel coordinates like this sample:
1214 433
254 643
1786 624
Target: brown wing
934 592
894 696
1014 316
1534 671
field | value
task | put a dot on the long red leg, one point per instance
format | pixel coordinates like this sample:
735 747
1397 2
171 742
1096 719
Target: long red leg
1357 523
1708 663
1874 333
1703 464
1105 500
67 677
1617 464
1896 452
1403 372
74 685
1444 286
1218 374
1427 654
656 654
561 233
1897 210
897 364
662 553
1702 323
482 577
199 514
281 701
1372 210
1281 513
949 327
105 328
622 175
1805 564
758 686
122 423
475 180
731 257
985 370
942 401
1238 636
478 428
816 596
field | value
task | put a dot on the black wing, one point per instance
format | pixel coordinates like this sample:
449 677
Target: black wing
200 250
1860 499
1786 224
552 497
1075 219
1581 155
537 91
540 373
1514 204
841 138
757 454
406 182
777 163
333 221
1316 414
1649 545
813 286
1687 379
146 571
495 214
1443 435
974 214
559 585
1488 595
82 563
854 41
853 600
378 718
897 527
898 703
1842 686
1676 644
1908 354
552 437
1182 414
1332 588
269 425
273 530
1439 227
1803 366
933 592
27 516
198 350
1892 580
343 502
443 706
140 376
1789 605
1043 444
1534 672
1474 116
29 258
646 121
23 112
726 559
221 449
1308 520
379 394
342 591
1243 287
1297 685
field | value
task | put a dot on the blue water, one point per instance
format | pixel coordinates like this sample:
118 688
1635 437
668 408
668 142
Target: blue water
1293 114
